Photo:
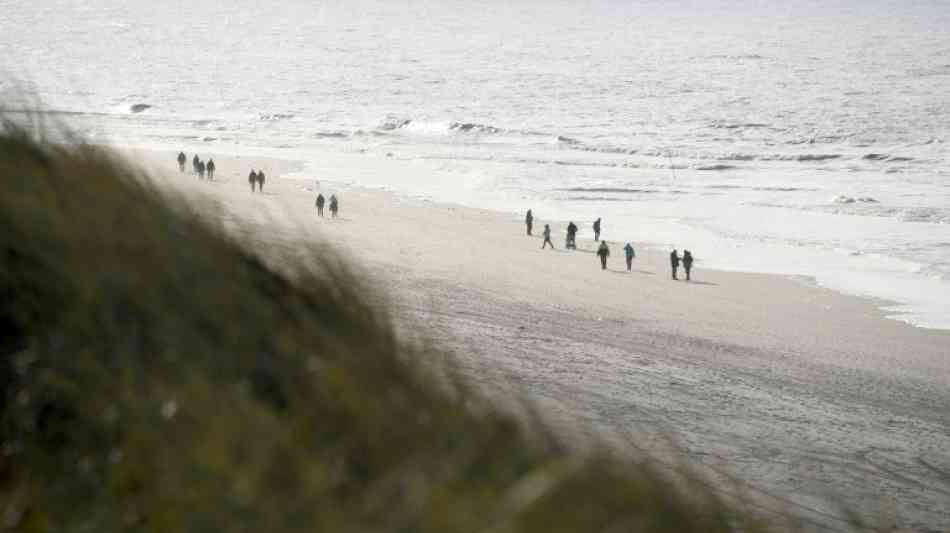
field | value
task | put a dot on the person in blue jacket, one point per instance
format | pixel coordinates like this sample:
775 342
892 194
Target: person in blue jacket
630 253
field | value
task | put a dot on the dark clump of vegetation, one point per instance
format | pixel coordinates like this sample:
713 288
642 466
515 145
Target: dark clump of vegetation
157 376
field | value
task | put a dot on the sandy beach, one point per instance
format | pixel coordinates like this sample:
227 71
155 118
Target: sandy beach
805 395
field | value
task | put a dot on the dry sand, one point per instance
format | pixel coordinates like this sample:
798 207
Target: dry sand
801 393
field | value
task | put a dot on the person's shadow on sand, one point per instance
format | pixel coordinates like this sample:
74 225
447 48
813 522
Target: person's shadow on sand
694 282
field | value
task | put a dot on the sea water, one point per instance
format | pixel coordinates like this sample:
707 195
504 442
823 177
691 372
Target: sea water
805 137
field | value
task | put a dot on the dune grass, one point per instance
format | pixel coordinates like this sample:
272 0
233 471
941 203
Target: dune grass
158 376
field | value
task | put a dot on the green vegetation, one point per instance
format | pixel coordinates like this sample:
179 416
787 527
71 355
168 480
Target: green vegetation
158 376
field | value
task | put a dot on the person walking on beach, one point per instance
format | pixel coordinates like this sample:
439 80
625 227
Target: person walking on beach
604 252
181 161
674 262
201 170
252 179
529 221
547 237
320 201
687 262
194 163
334 205
630 254
597 230
211 168
571 243
260 181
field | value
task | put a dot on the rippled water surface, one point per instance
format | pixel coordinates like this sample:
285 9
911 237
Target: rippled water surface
799 137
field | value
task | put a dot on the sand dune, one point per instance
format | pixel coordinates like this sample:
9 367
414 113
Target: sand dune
800 392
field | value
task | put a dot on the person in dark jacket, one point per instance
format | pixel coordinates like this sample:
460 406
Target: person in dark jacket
201 170
211 166
630 254
320 201
181 161
571 243
334 205
529 221
674 262
687 262
597 230
194 163
603 252
547 237
260 181
252 179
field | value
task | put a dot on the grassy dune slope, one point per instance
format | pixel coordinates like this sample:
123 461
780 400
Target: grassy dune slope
157 376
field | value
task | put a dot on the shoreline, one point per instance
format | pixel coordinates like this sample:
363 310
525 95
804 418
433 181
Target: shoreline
799 391
365 166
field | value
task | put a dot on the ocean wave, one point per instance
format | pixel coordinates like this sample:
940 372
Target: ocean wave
584 164
596 199
391 123
744 125
622 190
784 189
273 117
841 199
331 135
470 127
716 167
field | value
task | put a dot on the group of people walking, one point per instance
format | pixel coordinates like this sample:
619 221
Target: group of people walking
687 261
603 250
198 166
334 205
256 178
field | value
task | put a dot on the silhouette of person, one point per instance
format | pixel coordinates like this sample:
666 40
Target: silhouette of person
320 201
547 237
630 254
181 161
674 262
529 221
571 236
194 163
260 181
252 179
603 252
597 230
211 168
201 170
687 262
334 205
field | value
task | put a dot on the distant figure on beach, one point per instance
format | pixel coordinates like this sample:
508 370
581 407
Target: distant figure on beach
630 254
529 221
252 179
597 230
571 241
674 262
334 205
194 163
603 252
201 170
320 201
687 262
211 168
547 237
181 161
260 181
